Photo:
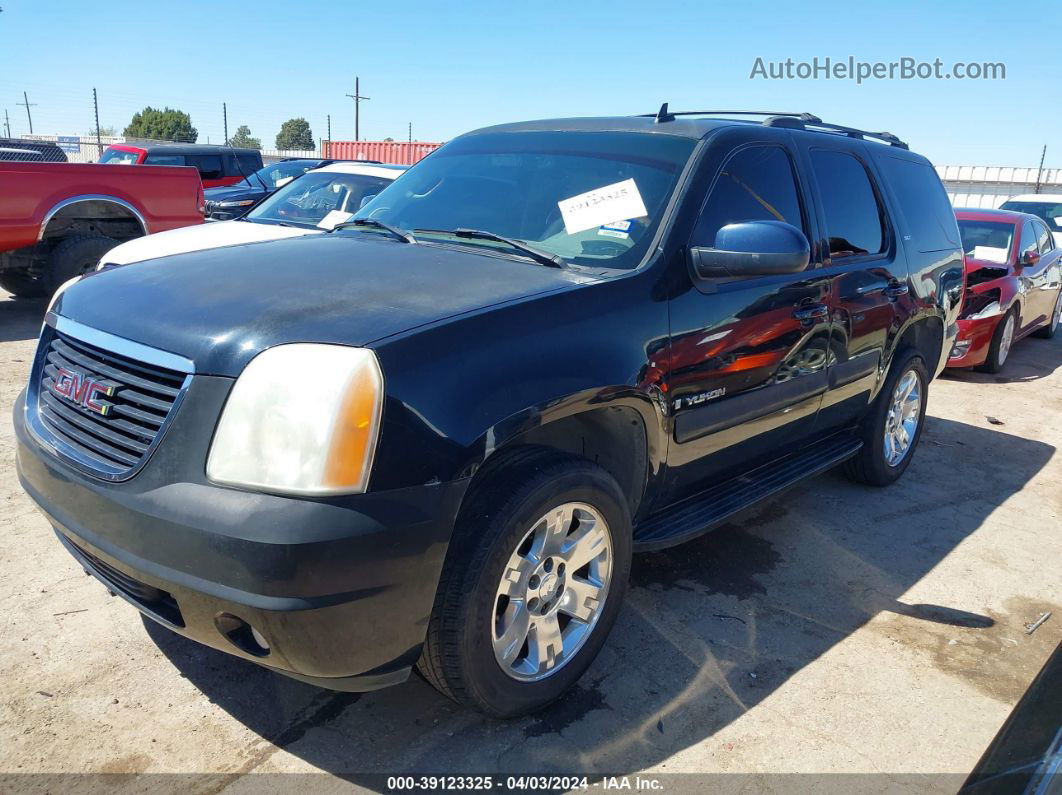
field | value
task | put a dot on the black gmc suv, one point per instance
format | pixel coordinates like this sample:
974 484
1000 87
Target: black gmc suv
434 436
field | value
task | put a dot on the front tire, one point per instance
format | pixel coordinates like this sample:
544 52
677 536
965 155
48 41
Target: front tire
532 585
1002 340
893 427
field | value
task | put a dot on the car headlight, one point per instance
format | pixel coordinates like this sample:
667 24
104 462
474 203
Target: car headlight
241 203
301 419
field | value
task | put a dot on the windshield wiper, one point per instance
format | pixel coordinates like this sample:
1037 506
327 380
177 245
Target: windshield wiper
401 234
541 257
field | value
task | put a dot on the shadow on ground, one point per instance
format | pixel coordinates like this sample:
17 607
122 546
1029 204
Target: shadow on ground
20 318
710 629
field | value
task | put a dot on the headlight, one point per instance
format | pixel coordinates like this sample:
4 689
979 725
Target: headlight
301 419
242 203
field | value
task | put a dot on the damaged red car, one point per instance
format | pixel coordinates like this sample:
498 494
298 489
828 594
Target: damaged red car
1013 285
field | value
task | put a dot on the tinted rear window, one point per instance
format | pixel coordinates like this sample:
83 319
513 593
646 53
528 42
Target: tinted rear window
164 160
923 202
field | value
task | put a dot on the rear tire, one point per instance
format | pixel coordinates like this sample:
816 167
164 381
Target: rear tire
74 256
22 285
875 464
999 348
1048 331
474 621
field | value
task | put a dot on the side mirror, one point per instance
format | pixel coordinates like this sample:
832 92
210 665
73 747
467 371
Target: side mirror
752 248
1030 257
366 199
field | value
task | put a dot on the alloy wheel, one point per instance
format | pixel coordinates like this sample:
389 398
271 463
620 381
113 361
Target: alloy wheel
1006 339
552 592
901 423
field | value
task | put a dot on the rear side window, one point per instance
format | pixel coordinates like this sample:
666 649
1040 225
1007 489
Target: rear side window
248 162
756 184
164 160
924 204
855 221
209 165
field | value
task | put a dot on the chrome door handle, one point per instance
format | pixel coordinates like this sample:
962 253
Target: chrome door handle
811 313
896 289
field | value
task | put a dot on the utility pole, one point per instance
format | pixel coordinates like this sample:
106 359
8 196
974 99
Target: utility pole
1040 173
96 108
25 101
225 121
7 123
358 99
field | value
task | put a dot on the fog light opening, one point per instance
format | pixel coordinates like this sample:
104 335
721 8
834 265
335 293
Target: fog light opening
241 634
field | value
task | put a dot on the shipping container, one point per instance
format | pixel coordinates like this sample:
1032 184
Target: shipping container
398 152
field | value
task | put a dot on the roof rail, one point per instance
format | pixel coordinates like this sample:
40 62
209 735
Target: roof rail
795 121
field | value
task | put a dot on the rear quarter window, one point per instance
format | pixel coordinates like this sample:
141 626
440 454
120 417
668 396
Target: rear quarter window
924 204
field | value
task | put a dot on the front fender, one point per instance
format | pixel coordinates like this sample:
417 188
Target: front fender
463 389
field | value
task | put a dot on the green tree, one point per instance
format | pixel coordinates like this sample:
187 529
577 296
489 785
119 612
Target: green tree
295 134
162 125
243 140
104 132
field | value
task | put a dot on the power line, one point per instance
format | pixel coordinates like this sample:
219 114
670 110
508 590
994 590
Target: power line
28 104
358 99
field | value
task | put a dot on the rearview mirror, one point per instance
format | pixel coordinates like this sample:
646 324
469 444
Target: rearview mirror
752 248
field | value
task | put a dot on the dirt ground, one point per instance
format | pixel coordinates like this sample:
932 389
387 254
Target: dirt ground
837 629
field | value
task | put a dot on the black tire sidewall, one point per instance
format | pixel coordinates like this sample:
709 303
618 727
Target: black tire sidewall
71 256
493 689
881 471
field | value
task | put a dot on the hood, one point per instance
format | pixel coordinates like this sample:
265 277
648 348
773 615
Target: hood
199 238
222 306
972 264
234 192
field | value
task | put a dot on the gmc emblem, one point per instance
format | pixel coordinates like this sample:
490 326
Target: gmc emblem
83 390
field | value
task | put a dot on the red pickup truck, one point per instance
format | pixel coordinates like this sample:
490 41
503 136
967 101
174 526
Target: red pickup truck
58 219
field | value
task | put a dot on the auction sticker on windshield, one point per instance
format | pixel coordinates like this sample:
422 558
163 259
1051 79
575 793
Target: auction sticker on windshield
602 206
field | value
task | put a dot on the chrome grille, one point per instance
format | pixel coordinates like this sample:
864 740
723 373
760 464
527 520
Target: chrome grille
140 397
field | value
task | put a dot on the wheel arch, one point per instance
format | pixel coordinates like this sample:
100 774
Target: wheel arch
926 335
90 205
618 435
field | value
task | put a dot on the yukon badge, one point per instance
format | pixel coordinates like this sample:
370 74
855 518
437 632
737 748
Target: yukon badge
83 390
696 400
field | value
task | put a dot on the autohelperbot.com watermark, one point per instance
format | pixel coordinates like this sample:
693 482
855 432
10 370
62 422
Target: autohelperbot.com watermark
850 68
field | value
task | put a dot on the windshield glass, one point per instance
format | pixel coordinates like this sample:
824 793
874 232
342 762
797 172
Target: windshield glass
986 240
318 198
1052 213
120 157
275 172
593 198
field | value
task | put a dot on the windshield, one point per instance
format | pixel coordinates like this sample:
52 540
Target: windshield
1052 213
274 173
592 198
120 157
986 240
318 199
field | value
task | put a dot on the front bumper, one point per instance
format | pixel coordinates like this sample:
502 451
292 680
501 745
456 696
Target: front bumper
974 339
340 589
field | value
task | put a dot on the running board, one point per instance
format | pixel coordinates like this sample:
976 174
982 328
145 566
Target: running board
710 508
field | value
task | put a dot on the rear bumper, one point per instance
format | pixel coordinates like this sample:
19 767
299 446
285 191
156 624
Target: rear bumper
971 345
339 590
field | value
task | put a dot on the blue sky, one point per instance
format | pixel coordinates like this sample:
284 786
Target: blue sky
452 67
